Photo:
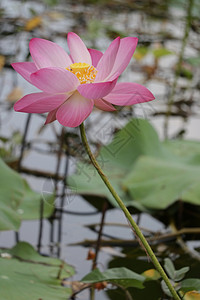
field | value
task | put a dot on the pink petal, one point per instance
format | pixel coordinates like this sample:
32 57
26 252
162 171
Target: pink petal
129 93
51 117
105 64
95 55
104 105
25 69
78 50
74 111
124 55
48 54
97 90
55 80
39 102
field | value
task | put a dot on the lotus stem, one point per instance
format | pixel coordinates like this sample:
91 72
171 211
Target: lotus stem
132 223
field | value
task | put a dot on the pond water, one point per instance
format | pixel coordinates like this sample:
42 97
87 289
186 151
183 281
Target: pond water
159 26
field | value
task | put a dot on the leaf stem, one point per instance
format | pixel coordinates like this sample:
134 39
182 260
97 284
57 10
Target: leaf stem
132 223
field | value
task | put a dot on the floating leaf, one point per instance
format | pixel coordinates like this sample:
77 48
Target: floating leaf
146 173
121 276
116 159
27 275
158 183
160 52
17 201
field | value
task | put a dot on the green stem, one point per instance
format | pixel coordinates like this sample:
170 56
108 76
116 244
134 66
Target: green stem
132 223
92 293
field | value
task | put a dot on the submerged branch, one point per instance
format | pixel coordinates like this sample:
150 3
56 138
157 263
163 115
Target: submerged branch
156 239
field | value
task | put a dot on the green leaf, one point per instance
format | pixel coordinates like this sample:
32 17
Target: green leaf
184 149
93 28
180 274
25 251
9 219
190 284
51 2
11 194
165 288
119 276
158 183
116 159
17 201
169 267
160 52
194 61
174 274
140 52
28 275
29 209
184 71
146 173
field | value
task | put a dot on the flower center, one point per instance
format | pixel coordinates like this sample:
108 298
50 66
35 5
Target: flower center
84 72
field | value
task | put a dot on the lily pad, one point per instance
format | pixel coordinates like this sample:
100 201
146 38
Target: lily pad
117 159
17 200
147 173
27 275
156 183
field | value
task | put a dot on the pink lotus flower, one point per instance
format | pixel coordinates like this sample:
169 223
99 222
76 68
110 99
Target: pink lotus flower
72 84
